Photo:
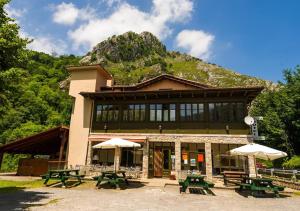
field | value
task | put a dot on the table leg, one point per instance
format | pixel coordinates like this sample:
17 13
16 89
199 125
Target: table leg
47 179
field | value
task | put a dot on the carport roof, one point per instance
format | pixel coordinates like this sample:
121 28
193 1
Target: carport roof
47 142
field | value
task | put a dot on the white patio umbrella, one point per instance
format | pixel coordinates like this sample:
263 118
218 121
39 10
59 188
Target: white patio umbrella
258 151
116 143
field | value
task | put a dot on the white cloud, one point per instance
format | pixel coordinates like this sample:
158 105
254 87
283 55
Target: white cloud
68 13
48 45
65 13
126 17
198 43
13 12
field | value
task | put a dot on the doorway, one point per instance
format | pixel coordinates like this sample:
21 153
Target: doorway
160 159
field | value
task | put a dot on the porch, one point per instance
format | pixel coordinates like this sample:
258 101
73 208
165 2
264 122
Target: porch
175 156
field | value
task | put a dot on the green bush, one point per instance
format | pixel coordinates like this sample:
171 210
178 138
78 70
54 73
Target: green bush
292 163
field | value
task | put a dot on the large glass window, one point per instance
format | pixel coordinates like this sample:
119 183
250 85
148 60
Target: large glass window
192 112
193 157
162 112
132 157
134 112
223 161
226 112
104 157
105 113
238 112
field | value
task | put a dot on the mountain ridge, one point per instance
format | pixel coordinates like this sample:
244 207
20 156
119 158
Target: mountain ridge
132 58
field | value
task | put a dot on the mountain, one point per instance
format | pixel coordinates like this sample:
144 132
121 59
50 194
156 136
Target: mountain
132 58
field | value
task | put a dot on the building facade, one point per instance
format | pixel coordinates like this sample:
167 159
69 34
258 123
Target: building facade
181 125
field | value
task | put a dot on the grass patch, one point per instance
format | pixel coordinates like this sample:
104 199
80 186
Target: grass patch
9 185
297 193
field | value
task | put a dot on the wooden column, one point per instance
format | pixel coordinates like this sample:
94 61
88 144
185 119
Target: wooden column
62 146
1 157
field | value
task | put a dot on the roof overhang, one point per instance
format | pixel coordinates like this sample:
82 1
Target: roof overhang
248 93
44 143
98 67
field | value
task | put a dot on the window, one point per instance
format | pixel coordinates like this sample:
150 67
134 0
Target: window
226 112
134 112
132 157
192 112
162 112
107 113
193 157
237 112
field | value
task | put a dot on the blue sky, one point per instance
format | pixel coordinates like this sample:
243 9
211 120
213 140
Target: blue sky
255 37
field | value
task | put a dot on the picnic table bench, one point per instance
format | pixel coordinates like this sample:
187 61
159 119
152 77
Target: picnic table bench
194 181
260 185
234 177
114 178
62 175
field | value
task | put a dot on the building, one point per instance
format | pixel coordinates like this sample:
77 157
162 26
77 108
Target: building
181 124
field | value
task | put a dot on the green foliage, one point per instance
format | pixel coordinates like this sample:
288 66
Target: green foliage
12 46
281 112
30 97
293 163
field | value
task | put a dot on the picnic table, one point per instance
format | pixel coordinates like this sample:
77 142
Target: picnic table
260 185
63 175
114 178
194 181
234 177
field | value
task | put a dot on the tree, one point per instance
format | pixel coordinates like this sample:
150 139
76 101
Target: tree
12 46
281 111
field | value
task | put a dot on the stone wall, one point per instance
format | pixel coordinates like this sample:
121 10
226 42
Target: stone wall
208 139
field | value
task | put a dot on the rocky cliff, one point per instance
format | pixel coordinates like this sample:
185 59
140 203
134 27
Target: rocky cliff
132 58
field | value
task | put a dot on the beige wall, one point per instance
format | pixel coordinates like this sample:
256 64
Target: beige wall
81 81
167 84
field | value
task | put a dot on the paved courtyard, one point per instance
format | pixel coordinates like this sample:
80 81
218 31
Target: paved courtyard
139 198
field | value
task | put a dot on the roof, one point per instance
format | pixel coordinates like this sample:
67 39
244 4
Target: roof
91 67
245 92
46 142
194 84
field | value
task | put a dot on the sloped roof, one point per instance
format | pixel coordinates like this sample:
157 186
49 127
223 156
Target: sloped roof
192 84
46 142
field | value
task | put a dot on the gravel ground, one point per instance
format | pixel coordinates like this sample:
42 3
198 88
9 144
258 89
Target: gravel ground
142 198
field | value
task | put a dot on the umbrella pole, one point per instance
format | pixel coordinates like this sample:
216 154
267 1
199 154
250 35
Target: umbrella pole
255 166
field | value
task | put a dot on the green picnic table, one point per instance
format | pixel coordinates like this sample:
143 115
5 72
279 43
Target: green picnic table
195 181
62 175
260 185
114 178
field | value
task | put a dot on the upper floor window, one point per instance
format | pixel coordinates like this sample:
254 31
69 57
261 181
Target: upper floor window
107 113
192 112
134 112
226 112
162 112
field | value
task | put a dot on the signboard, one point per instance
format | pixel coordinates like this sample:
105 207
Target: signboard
193 162
200 158
185 158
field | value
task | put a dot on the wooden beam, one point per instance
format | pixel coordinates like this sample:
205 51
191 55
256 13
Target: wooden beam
62 145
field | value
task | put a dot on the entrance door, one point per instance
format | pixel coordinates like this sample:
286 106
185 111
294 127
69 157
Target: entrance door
166 162
158 162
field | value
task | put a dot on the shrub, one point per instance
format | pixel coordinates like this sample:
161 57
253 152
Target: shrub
292 163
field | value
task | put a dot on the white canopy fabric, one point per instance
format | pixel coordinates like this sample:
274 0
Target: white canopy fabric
259 151
116 142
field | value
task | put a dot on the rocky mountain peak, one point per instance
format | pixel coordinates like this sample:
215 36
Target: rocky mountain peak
126 47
